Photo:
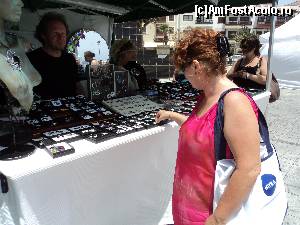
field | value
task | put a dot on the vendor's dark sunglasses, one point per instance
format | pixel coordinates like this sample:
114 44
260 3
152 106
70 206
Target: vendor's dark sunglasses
245 48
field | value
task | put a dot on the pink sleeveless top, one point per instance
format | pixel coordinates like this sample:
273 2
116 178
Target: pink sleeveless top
195 168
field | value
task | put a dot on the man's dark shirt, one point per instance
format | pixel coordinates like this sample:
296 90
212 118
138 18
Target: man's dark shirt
58 74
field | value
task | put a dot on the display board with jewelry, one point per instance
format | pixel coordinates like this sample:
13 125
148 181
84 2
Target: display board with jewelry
17 78
101 82
56 114
64 120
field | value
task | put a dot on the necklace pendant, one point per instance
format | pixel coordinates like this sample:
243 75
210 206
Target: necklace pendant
13 60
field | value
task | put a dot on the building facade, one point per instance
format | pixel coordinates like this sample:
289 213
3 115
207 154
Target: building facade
148 35
228 25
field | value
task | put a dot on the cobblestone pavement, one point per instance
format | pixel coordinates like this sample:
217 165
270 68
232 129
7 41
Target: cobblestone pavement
283 118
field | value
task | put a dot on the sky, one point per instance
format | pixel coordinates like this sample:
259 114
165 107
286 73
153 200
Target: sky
285 2
90 44
102 52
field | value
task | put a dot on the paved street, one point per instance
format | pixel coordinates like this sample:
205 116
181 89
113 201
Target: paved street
283 117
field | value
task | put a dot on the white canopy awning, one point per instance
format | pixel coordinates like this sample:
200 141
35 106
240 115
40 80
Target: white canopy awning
286 50
99 23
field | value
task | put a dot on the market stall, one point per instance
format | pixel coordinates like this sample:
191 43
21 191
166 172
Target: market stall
99 15
115 173
119 172
286 52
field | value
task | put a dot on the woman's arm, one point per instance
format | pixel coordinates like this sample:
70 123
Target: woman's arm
242 134
175 74
164 115
261 76
232 72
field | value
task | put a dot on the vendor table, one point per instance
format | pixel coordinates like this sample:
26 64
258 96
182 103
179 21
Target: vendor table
122 181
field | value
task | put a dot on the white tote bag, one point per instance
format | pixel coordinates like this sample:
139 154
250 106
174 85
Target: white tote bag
267 202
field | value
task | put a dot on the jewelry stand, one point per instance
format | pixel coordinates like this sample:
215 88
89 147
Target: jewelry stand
19 135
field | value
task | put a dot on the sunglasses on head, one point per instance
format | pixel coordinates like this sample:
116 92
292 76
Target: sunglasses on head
246 48
186 64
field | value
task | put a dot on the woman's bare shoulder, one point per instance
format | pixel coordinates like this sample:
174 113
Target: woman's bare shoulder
236 99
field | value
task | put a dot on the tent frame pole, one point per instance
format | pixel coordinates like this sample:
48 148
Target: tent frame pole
270 50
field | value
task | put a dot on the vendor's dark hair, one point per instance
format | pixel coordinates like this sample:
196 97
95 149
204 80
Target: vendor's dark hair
119 47
89 53
251 42
42 27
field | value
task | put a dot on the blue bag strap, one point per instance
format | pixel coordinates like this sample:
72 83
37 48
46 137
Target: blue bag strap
219 139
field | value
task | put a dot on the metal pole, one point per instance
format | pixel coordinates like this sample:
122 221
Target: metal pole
110 24
169 66
270 50
178 27
90 85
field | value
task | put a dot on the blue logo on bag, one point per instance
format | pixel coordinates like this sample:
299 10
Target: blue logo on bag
268 184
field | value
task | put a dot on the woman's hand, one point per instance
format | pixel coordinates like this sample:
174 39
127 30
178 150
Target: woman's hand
162 115
211 220
242 74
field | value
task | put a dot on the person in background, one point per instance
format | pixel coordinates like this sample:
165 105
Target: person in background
201 55
124 55
57 67
250 71
178 75
90 58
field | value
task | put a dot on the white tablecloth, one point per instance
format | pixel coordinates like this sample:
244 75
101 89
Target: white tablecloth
122 181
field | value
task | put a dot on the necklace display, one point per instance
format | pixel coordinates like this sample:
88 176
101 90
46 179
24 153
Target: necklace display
16 146
12 58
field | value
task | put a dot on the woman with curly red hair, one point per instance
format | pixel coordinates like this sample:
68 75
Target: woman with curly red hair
201 55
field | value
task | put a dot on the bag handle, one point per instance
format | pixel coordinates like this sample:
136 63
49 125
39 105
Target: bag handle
219 139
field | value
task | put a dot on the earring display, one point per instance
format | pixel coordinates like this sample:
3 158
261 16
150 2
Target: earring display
61 135
101 82
50 115
58 122
129 106
177 97
121 83
59 149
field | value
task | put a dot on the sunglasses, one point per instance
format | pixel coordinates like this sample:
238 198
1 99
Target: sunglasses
246 49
